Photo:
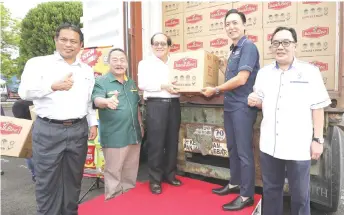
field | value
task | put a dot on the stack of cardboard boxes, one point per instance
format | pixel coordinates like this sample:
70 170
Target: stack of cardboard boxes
195 26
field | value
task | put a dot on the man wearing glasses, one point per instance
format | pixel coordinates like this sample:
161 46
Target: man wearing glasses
292 96
60 86
163 114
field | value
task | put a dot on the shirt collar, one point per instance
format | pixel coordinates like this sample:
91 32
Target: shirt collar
112 78
293 65
239 44
60 58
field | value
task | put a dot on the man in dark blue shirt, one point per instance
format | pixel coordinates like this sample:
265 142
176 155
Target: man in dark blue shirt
239 118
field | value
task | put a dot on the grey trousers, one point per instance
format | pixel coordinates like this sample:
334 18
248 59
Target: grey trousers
273 172
59 154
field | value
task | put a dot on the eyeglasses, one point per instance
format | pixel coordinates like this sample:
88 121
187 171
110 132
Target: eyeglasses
285 43
162 44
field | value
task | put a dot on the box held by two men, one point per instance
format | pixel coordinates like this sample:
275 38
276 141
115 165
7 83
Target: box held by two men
16 137
193 70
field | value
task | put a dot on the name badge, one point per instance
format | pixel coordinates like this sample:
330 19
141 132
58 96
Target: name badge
111 93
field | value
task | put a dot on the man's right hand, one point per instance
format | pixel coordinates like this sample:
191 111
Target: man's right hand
170 88
112 102
253 100
63 85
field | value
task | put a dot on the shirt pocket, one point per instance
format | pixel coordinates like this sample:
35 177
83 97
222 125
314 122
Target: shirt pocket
299 92
233 65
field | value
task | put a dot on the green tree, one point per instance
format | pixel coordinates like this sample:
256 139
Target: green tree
10 29
39 26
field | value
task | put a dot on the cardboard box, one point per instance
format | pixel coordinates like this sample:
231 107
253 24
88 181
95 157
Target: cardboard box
279 13
33 113
216 16
173 25
172 7
316 12
253 12
316 39
16 137
217 3
218 45
267 62
195 5
196 23
267 34
256 36
326 65
191 71
177 44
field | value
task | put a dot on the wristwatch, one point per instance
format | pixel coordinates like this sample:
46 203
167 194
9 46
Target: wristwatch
319 140
217 91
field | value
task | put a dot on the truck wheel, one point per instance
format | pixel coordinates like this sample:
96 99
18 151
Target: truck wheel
337 148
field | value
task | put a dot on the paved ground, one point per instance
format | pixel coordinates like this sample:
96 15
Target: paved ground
17 189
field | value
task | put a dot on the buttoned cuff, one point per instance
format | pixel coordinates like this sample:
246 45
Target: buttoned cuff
92 120
246 68
321 104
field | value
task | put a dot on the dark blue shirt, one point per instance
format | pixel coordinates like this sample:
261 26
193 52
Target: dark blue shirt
244 56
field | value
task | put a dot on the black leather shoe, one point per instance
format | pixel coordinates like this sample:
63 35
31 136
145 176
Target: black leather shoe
222 191
174 182
238 204
155 188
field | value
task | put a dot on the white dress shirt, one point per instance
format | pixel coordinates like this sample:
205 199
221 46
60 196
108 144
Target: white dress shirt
152 73
288 100
38 76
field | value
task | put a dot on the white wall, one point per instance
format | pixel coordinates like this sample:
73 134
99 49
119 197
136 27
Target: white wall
151 24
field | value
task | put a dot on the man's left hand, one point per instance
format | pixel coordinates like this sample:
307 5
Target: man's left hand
208 91
92 133
316 150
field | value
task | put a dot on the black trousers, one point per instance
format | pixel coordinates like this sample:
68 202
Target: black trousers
163 123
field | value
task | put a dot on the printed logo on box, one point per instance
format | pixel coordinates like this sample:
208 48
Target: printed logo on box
253 38
322 66
172 22
194 45
194 18
315 32
185 64
218 14
10 128
218 43
175 47
278 5
248 8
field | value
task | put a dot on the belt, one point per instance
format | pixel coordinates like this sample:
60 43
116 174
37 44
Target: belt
153 99
62 122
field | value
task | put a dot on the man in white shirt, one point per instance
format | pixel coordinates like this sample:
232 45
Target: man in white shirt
292 96
163 114
60 86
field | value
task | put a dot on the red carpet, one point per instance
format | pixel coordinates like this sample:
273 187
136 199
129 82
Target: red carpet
194 197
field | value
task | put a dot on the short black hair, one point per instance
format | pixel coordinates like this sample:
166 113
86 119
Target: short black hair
241 14
169 40
21 109
116 49
72 27
291 30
